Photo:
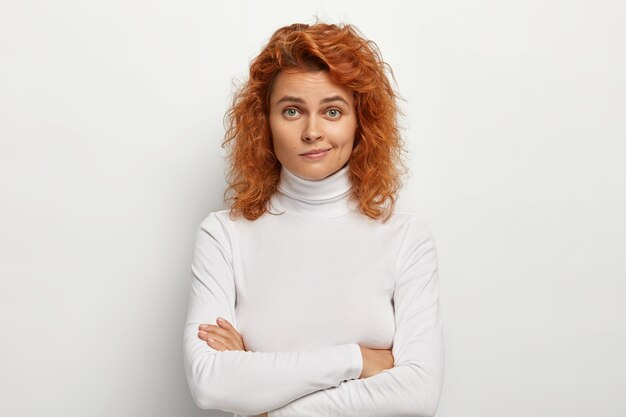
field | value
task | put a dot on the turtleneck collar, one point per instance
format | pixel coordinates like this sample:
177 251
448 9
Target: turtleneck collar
328 197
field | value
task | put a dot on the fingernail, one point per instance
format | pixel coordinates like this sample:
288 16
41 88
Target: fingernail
220 320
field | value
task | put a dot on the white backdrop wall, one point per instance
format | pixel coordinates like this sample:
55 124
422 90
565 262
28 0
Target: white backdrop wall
110 126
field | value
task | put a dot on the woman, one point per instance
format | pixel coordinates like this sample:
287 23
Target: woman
334 291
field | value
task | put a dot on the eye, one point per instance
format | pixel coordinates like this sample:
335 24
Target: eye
290 112
333 113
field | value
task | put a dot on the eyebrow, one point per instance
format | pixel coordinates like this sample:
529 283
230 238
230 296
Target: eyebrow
323 101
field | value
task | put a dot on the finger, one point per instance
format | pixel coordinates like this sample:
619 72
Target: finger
236 338
222 344
204 336
222 322
213 341
231 342
227 342
216 344
225 334
234 335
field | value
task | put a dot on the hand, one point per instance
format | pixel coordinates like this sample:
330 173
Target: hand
375 361
221 337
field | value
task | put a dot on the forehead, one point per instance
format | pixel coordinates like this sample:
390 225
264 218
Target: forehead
307 85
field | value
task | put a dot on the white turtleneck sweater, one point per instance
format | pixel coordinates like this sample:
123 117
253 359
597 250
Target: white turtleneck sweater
305 288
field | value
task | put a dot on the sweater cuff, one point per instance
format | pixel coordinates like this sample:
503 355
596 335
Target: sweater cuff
356 361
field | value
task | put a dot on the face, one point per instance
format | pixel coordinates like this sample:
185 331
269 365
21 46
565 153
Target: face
308 112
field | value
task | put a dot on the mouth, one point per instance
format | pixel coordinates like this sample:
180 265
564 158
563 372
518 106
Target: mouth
316 152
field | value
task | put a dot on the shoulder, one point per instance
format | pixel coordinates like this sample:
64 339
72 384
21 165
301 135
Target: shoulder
214 219
213 243
415 237
216 226
416 240
411 224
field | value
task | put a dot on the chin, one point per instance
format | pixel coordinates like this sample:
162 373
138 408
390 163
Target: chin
324 174
311 174
313 177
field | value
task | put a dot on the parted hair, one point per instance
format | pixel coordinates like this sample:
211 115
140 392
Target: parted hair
376 164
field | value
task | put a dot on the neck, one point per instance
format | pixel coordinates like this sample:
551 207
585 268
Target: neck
328 197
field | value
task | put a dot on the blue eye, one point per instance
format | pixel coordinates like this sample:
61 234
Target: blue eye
291 112
334 113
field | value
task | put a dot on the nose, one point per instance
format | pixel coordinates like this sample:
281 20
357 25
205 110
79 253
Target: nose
311 131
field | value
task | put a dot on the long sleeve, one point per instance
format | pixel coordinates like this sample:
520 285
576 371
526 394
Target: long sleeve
412 387
241 382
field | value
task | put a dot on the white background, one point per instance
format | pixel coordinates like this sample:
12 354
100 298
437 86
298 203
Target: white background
111 124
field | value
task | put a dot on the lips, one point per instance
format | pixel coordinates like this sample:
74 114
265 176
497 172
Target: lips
316 151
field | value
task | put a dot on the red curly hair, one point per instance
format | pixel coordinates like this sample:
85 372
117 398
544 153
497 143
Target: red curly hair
376 164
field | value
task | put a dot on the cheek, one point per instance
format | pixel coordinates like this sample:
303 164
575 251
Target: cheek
343 135
274 129
281 139
287 131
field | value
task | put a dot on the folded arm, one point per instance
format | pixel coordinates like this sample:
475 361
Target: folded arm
412 387
247 382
